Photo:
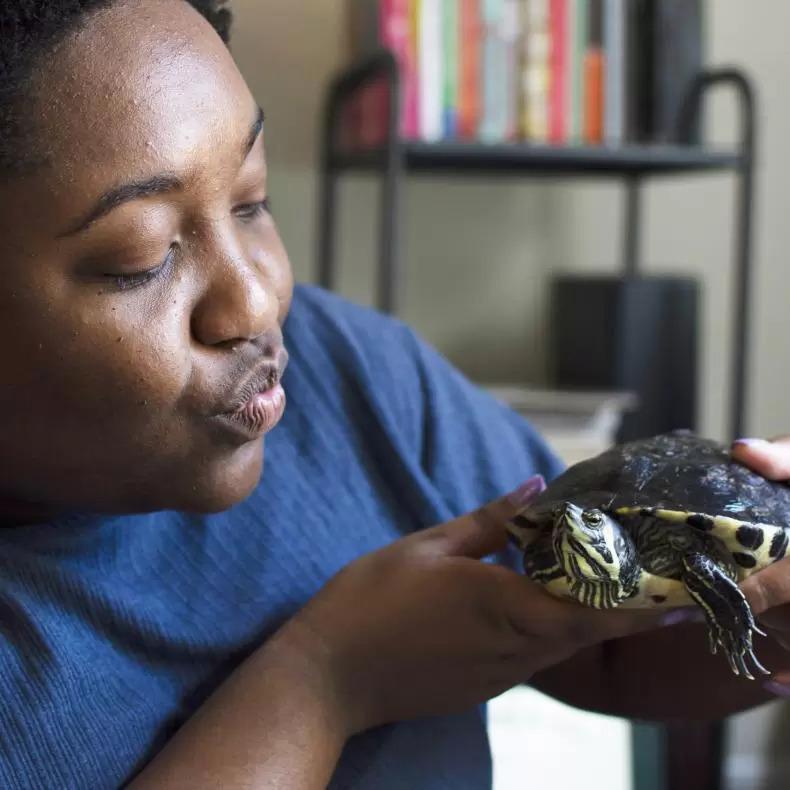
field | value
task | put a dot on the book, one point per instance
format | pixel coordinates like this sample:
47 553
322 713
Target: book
558 84
614 30
431 69
450 37
395 35
385 23
511 34
493 126
594 71
535 70
577 45
469 94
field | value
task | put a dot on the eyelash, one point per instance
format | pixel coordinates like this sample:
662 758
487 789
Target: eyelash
127 282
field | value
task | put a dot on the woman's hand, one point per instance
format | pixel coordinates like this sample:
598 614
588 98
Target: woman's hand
424 628
769 590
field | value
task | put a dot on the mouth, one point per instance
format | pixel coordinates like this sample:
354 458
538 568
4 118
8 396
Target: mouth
259 403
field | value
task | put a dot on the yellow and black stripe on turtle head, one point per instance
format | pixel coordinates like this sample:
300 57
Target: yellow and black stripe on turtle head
751 546
597 555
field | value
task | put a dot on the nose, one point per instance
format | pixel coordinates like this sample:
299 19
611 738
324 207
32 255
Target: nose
239 302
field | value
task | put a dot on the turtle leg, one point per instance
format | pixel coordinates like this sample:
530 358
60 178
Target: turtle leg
729 618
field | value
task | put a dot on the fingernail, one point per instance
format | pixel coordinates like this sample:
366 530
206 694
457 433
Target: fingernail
678 616
526 492
778 689
751 442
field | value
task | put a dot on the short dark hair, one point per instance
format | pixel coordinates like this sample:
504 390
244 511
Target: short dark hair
29 29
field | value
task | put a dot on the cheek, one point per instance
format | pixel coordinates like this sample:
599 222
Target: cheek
271 257
120 362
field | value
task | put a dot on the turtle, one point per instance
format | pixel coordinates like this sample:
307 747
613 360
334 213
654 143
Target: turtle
667 521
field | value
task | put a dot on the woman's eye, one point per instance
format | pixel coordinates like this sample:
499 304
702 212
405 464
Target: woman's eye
127 282
253 210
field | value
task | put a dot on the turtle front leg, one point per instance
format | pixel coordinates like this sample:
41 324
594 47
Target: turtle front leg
729 618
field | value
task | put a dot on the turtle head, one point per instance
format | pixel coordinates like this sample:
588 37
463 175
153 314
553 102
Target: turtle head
588 540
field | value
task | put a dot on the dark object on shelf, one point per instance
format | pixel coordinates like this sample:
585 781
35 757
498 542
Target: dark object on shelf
664 55
635 334
675 31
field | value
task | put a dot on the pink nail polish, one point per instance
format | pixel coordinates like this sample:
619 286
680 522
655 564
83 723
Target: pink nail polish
751 442
526 492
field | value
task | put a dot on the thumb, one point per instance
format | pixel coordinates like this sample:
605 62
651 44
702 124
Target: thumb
770 459
482 532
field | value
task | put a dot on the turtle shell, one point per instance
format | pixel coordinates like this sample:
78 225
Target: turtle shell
675 471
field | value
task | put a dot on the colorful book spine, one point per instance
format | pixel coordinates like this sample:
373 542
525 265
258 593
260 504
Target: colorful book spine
450 36
511 34
471 69
594 70
431 69
493 124
577 45
615 86
395 34
412 98
558 22
536 72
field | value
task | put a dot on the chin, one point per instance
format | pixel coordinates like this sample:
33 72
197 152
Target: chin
226 483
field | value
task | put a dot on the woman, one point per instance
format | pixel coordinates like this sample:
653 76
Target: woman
170 617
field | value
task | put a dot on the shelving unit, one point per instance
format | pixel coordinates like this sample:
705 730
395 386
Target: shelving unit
630 165
679 755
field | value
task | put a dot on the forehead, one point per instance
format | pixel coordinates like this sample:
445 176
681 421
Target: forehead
145 85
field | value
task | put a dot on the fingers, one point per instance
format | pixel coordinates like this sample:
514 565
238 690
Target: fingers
534 612
475 534
596 626
481 532
770 459
769 588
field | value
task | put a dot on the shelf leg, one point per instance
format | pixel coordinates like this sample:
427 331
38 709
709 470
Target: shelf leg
390 285
743 292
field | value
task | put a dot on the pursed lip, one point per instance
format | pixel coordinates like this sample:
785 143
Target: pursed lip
264 377
258 403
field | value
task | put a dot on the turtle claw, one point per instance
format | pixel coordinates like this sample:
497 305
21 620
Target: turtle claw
739 651
730 620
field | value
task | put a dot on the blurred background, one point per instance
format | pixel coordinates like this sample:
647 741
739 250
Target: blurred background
586 94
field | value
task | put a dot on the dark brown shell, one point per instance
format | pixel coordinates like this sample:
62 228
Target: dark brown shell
676 471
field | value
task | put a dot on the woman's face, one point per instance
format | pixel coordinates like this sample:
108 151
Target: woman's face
144 282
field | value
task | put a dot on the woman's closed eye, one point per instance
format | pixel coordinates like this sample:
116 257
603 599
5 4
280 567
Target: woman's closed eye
252 210
126 282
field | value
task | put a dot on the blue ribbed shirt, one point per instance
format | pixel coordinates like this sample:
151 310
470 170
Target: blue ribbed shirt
114 630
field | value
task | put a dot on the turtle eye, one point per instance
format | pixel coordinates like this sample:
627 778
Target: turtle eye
593 518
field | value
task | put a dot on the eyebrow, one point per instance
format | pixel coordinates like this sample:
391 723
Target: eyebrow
156 185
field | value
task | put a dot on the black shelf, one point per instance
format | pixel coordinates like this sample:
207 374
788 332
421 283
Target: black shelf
518 159
631 165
